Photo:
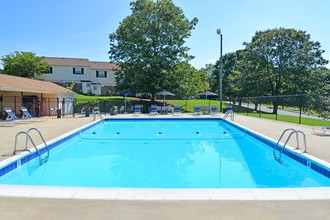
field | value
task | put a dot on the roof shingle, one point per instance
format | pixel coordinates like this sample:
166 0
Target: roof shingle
79 62
60 61
14 83
102 65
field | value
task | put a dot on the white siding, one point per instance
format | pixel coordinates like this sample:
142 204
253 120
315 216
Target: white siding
62 71
108 81
65 74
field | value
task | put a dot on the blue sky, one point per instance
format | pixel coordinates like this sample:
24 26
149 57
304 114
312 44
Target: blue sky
80 29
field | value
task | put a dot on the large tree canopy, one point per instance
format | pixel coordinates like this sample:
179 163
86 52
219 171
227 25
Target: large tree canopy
277 62
286 58
149 44
23 64
188 81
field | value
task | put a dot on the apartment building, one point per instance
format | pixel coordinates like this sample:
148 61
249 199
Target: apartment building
89 77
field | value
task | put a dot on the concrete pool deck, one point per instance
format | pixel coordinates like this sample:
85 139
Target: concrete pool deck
17 207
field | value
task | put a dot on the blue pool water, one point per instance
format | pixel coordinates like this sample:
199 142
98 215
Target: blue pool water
165 154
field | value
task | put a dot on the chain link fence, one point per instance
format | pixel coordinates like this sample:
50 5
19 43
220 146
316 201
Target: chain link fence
273 107
302 106
37 107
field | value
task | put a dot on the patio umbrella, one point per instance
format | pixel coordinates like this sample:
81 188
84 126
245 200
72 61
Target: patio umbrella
165 93
207 93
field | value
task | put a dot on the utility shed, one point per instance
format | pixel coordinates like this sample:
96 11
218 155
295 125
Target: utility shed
41 98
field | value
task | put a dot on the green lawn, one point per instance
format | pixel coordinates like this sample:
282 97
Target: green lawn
82 98
293 119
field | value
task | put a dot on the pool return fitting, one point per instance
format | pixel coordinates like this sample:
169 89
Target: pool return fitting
278 157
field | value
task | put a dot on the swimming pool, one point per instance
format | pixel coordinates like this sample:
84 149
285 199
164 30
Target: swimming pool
167 153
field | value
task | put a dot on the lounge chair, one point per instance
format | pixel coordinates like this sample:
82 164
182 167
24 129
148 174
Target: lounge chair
26 113
214 110
96 110
122 109
321 130
159 109
177 110
53 111
169 109
11 115
10 120
197 110
153 110
137 110
164 109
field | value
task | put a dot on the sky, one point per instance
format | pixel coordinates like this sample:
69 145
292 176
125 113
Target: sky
80 28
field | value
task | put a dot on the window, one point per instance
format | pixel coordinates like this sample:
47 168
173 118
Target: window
94 88
49 70
78 70
101 74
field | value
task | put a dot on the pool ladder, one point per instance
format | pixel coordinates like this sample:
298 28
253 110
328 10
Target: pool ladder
230 114
97 113
27 138
278 157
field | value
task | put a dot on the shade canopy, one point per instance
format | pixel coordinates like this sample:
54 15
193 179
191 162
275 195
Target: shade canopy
164 93
206 94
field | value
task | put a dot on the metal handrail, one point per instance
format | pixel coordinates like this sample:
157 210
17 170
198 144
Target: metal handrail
42 138
28 137
94 116
293 131
286 130
229 113
25 149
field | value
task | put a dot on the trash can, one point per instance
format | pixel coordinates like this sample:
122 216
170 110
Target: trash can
58 112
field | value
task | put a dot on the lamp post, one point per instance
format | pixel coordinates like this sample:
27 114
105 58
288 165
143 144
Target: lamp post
220 72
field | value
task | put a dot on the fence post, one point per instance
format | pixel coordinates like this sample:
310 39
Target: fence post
239 105
260 107
63 105
300 108
248 107
74 108
260 103
276 102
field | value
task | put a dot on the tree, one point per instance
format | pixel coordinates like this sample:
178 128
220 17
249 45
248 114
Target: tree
238 79
286 60
189 81
148 45
23 64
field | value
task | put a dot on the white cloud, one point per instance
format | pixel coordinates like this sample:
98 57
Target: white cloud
211 61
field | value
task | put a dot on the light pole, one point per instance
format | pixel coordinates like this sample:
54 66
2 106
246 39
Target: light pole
220 72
